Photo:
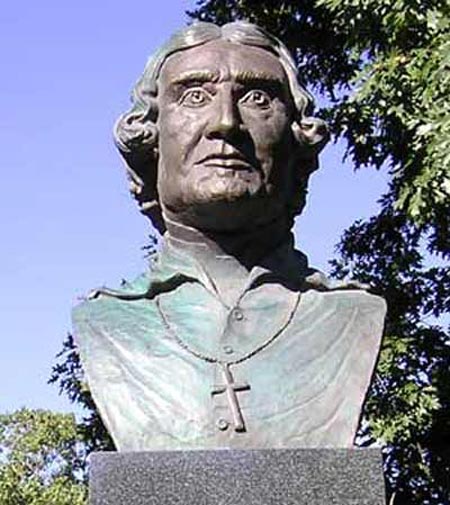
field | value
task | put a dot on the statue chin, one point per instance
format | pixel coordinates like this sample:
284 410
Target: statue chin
227 213
222 185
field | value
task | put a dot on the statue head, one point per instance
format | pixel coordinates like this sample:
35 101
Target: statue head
220 134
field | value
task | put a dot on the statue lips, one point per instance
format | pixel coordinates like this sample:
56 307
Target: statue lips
229 162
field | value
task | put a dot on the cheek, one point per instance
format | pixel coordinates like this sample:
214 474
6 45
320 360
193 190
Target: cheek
178 133
271 138
273 144
269 128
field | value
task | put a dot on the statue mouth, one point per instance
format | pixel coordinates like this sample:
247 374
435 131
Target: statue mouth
231 164
233 161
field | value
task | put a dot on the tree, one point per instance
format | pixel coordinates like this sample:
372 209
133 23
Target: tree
408 408
382 67
42 459
68 374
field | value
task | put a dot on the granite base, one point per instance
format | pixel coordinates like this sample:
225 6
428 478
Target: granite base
238 477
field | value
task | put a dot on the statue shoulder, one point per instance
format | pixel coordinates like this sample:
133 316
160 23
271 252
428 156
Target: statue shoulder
315 279
312 278
366 302
355 308
106 310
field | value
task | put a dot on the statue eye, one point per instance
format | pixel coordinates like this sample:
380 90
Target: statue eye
195 97
257 98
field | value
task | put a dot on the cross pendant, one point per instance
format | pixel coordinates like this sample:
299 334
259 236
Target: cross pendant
230 387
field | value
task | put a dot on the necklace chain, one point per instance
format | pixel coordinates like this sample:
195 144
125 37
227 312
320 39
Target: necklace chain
213 359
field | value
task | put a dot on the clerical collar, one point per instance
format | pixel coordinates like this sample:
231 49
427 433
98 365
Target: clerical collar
283 263
176 265
245 247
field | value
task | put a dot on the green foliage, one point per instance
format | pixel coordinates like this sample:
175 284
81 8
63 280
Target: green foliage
381 68
408 408
69 376
44 455
399 113
42 459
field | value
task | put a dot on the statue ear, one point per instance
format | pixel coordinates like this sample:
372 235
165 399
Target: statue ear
311 133
134 131
136 137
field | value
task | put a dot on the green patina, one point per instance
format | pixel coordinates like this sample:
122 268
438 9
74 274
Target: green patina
154 352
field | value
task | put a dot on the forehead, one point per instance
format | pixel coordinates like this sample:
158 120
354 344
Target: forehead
223 59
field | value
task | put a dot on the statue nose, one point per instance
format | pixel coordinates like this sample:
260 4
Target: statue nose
225 119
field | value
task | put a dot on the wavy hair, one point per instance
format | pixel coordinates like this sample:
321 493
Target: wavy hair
136 134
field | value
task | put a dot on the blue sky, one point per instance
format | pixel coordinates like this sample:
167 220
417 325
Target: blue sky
67 221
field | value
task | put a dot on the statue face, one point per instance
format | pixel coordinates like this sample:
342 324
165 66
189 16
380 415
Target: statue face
225 140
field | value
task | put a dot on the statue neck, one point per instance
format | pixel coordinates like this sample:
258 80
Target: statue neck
227 257
247 247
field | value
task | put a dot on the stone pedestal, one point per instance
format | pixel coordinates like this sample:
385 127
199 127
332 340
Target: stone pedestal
238 477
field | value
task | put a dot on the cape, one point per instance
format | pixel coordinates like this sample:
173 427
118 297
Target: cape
299 357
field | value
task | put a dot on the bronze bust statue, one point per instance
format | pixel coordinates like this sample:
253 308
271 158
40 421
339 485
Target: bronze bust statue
230 340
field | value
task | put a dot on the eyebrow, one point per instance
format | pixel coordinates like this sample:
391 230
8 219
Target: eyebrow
196 76
250 77
247 77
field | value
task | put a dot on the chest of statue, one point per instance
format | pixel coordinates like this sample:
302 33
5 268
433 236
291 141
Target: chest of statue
279 368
